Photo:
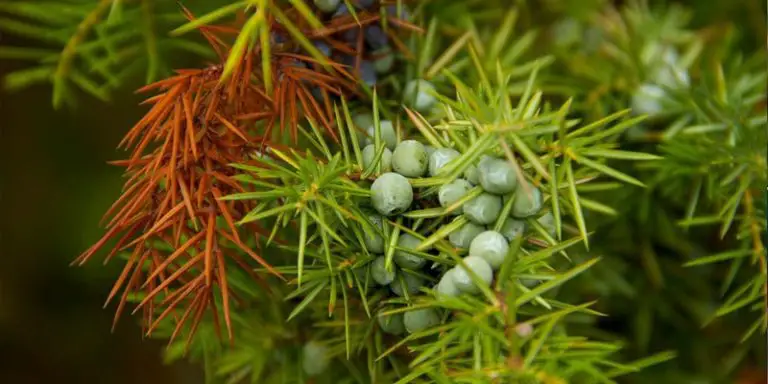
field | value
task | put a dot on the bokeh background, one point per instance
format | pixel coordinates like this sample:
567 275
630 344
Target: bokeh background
56 184
54 187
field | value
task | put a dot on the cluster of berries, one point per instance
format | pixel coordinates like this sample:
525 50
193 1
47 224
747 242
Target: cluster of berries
378 55
392 194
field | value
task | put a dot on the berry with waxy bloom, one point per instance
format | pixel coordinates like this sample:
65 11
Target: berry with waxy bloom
410 159
480 267
406 259
462 237
420 319
483 209
491 246
391 194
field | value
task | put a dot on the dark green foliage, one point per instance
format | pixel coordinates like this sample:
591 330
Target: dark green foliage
638 250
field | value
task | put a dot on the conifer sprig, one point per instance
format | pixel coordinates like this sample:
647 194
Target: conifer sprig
90 44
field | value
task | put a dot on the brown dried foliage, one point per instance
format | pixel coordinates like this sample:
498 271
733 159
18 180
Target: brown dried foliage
178 170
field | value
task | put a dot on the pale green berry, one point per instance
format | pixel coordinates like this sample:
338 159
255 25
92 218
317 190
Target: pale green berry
440 157
379 271
453 192
384 61
420 319
388 134
484 159
369 153
430 149
462 237
548 222
412 285
374 243
392 324
666 72
446 287
512 229
315 358
327 5
391 194
418 95
480 267
410 159
363 120
491 246
472 175
527 203
483 209
497 176
406 259
648 99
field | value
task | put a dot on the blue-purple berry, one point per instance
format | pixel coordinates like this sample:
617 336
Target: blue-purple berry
375 36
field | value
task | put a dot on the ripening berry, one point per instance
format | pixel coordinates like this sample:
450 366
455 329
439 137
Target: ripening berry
491 246
365 3
526 203
392 324
368 73
446 287
373 241
497 176
315 358
439 158
412 285
342 10
379 272
327 5
453 192
420 319
483 209
351 35
388 134
418 95
480 267
384 59
391 11
410 159
512 229
462 237
406 259
472 175
391 194
324 48
375 36
647 100
277 38
369 153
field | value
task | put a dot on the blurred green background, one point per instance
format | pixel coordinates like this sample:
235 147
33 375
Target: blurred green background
55 186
